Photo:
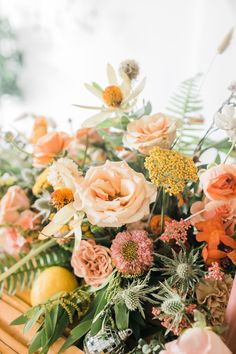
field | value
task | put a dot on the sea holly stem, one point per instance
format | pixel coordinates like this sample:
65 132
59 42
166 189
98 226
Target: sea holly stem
30 255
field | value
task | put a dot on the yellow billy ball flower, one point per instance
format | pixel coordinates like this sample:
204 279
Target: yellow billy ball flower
112 96
170 169
41 183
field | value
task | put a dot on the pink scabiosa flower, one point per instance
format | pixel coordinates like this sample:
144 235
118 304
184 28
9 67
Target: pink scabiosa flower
132 252
176 230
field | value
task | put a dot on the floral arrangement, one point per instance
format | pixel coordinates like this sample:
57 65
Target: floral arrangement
123 231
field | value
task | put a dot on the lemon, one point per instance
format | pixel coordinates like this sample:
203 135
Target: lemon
50 282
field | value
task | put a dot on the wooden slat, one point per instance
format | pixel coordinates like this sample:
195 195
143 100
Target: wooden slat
12 339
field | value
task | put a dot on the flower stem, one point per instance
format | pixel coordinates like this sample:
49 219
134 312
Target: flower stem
229 152
30 255
86 151
163 209
153 207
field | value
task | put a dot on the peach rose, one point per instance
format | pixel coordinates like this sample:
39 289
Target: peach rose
48 146
219 182
114 194
92 262
27 220
196 341
14 201
150 131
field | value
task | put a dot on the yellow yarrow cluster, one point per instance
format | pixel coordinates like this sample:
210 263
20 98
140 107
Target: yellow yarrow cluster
170 169
41 183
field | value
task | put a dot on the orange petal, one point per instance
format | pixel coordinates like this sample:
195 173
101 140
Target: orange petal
232 256
228 241
216 254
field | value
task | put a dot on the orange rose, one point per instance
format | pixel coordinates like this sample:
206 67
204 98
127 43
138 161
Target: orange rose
219 182
48 146
150 131
12 203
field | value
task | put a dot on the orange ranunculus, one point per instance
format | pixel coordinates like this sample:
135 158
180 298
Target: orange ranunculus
212 231
219 182
84 133
48 146
155 224
40 129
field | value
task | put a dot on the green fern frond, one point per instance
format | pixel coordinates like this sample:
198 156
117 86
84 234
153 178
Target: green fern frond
186 105
23 277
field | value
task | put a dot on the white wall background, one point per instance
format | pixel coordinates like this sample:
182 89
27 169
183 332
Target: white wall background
68 42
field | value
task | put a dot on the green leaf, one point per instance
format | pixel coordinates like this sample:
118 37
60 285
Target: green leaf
48 324
98 319
76 334
121 315
35 343
32 321
20 320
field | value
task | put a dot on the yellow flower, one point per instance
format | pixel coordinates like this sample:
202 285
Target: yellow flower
170 169
41 183
61 197
112 96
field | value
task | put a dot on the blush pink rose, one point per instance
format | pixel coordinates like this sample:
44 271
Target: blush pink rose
92 262
27 220
11 241
196 341
219 182
224 209
150 131
114 194
48 146
12 203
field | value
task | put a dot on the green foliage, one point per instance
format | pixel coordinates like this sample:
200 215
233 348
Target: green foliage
85 325
24 275
10 60
54 315
144 347
186 105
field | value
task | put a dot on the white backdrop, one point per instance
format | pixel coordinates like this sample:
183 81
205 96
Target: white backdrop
68 42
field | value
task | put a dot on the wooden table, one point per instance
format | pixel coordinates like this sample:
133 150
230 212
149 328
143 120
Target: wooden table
12 340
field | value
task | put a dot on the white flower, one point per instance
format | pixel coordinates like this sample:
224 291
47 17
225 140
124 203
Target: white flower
226 120
116 98
7 180
64 173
